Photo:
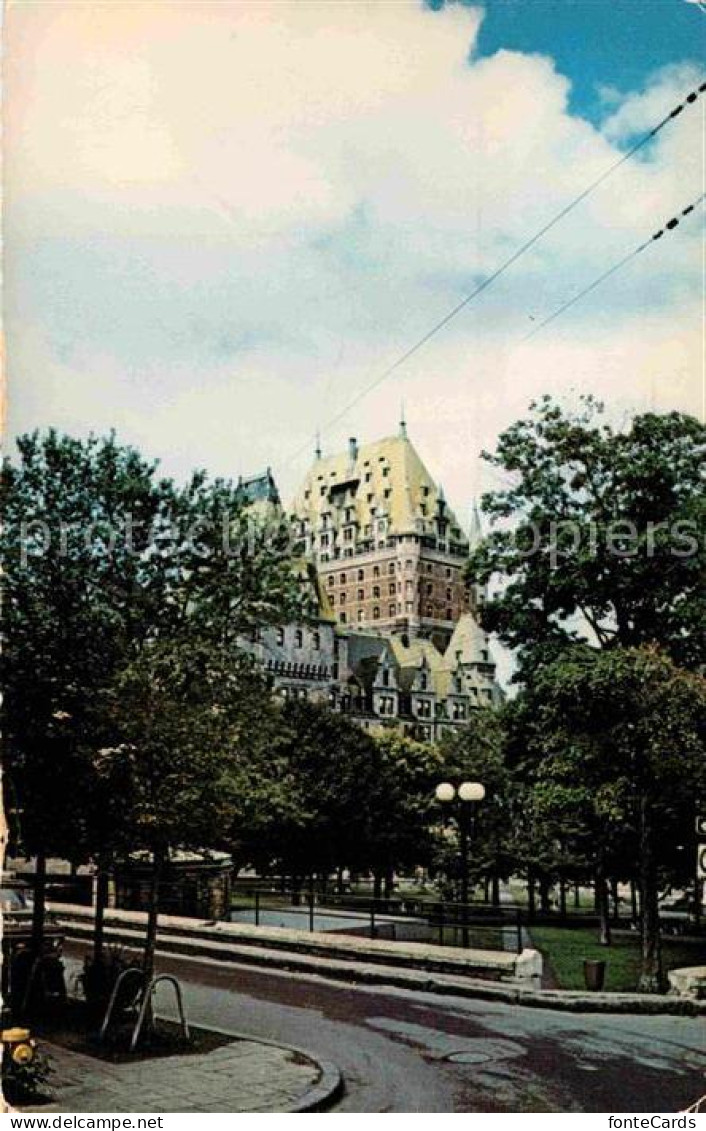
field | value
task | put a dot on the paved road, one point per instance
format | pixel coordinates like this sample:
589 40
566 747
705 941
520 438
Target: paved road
394 1047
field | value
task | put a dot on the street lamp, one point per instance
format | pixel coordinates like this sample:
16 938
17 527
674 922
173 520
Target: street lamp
468 793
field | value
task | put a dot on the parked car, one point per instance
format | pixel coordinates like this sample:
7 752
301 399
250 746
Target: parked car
19 962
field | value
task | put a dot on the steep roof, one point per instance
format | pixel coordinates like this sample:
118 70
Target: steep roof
467 643
386 477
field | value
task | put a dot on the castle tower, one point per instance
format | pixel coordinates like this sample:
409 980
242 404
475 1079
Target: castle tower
389 551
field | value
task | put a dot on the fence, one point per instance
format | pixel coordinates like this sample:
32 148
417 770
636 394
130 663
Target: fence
399 919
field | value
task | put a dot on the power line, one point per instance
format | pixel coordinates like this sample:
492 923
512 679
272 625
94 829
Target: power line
690 98
668 227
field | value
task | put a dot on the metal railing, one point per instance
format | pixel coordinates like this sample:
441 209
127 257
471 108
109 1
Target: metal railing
398 919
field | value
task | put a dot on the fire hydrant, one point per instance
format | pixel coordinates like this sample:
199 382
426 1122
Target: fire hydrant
20 1045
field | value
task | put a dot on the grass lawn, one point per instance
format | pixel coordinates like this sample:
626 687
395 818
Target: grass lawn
565 949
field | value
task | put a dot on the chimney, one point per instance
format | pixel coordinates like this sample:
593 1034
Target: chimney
353 449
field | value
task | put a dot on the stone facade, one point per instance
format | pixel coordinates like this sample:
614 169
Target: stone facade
388 549
395 643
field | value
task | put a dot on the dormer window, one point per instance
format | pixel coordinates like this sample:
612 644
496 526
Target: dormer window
298 638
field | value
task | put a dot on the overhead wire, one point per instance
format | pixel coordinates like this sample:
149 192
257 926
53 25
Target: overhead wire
689 100
668 227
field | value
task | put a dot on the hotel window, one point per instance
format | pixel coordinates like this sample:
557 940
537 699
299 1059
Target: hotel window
393 610
392 589
280 636
342 579
376 590
430 590
361 616
386 471
298 638
376 571
348 534
376 612
342 599
449 614
391 567
448 572
317 641
361 594
386 677
361 574
342 617
423 681
448 594
330 579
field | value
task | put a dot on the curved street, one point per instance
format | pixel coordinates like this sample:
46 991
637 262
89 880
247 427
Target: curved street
407 1052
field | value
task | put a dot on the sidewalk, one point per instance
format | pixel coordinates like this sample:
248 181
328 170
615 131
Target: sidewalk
246 1075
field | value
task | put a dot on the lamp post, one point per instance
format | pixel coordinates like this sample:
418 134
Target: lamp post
467 794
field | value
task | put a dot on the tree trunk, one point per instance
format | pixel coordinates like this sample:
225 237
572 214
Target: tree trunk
577 897
40 900
531 899
544 895
633 902
495 890
102 879
603 907
152 915
650 974
615 897
377 884
562 897
389 883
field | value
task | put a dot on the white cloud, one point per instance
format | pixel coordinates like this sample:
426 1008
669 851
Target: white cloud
224 221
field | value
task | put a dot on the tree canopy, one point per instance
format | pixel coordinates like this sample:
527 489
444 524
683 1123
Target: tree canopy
598 534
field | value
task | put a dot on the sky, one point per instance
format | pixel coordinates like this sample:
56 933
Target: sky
225 220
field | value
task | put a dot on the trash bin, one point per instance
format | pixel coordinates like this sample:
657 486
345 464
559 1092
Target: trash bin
594 973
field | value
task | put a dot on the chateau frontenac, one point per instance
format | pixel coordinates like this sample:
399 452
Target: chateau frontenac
395 642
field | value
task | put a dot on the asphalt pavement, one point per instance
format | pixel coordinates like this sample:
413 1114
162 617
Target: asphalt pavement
414 1052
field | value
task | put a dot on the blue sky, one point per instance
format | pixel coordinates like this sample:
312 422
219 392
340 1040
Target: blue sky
599 44
215 267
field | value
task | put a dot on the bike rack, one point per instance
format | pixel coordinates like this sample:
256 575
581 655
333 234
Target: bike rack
131 970
147 998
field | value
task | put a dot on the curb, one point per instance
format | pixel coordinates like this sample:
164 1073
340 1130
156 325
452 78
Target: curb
328 1089
420 980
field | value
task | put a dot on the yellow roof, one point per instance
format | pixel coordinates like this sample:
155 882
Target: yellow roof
388 479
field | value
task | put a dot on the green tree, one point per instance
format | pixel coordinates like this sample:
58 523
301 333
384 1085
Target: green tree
598 534
314 820
104 561
620 739
175 722
477 752
399 804
71 599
